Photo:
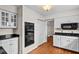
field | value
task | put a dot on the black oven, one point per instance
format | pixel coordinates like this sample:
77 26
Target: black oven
29 33
69 26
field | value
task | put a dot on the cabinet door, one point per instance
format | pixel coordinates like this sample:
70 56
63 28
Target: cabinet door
72 43
56 40
7 19
3 19
0 19
64 41
0 43
78 44
10 45
14 45
13 20
6 46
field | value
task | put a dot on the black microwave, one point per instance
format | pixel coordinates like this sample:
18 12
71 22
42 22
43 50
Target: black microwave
69 26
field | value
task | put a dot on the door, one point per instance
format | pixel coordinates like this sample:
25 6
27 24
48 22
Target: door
50 28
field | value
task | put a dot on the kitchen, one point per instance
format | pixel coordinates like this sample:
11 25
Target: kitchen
22 24
23 28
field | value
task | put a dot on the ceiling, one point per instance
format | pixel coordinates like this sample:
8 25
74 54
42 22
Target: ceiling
54 9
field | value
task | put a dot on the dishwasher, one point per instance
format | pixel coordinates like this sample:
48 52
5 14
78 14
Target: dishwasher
2 51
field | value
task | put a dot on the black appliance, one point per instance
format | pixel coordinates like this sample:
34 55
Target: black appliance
69 26
2 51
29 33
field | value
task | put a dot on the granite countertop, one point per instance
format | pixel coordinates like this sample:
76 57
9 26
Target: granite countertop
67 34
8 36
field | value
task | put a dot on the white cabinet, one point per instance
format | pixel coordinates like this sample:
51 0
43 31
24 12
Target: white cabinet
10 45
5 45
7 19
14 45
63 41
0 43
67 42
56 40
72 43
13 20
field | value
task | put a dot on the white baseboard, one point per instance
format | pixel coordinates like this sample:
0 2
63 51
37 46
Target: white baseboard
32 47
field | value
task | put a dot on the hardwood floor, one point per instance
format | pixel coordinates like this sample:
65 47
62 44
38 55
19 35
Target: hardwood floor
48 48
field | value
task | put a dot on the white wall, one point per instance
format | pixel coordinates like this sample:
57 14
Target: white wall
18 30
63 14
10 8
40 28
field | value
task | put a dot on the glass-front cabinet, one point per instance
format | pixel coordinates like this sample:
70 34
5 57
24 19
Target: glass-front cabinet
7 19
13 20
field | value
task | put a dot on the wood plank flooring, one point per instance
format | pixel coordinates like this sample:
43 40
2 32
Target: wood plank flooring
48 48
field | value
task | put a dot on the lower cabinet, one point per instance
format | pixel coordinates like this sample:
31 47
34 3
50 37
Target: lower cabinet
10 45
56 40
0 43
63 41
72 43
67 42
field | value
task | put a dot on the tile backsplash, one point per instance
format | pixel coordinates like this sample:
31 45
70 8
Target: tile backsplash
6 31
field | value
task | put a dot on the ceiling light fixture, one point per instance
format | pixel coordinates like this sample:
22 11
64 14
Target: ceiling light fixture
46 7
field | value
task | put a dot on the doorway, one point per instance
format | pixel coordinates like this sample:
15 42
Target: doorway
50 31
50 28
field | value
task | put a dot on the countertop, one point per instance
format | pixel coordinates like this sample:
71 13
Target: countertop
8 36
67 34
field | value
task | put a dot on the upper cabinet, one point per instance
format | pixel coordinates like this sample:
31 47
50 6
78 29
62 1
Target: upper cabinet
7 19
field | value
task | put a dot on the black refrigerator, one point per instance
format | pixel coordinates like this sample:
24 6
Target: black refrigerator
29 33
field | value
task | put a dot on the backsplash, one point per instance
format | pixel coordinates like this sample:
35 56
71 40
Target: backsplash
6 31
